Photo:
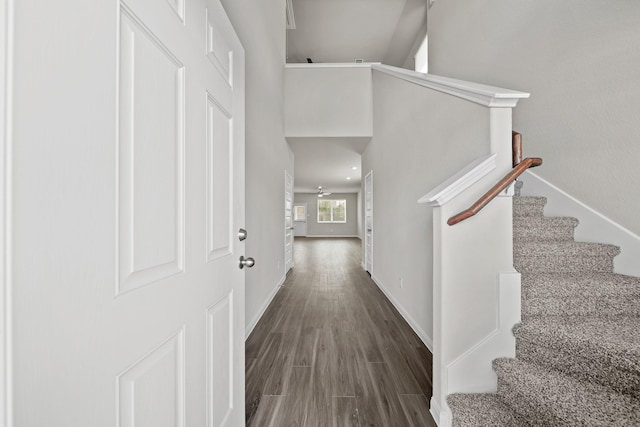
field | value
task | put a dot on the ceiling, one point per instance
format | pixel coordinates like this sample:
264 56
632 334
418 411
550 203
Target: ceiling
327 162
386 31
345 30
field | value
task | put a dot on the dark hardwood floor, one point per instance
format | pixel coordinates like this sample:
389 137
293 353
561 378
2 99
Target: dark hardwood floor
331 350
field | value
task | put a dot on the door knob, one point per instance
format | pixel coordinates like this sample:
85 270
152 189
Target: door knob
246 262
242 234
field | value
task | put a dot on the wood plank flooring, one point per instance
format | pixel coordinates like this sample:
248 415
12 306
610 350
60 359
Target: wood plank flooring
331 350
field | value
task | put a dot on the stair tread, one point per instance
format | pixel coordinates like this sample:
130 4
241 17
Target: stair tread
530 207
529 200
617 338
538 249
602 350
547 397
547 220
480 410
536 229
572 294
570 284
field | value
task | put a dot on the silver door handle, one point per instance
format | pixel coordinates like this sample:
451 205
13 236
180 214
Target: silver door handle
242 234
246 262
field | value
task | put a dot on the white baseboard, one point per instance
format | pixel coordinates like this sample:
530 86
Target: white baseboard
333 235
593 227
249 328
414 325
442 416
472 371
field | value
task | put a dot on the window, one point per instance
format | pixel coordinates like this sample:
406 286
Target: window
422 56
332 211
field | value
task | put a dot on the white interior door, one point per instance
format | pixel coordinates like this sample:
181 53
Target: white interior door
288 222
300 219
127 193
368 222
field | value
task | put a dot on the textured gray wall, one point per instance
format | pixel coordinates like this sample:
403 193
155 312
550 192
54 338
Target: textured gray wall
580 61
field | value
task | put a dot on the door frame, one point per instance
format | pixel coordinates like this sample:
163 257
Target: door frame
366 238
287 177
6 67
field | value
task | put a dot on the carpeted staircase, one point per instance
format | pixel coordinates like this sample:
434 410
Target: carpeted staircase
578 346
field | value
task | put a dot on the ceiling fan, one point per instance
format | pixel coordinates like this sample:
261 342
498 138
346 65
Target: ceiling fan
321 192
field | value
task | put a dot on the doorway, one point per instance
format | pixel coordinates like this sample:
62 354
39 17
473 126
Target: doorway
300 220
368 222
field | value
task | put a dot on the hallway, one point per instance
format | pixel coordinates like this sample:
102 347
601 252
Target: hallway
332 350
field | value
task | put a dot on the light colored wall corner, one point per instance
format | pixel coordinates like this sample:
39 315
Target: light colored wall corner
593 226
415 128
579 60
328 102
250 326
472 371
260 27
424 337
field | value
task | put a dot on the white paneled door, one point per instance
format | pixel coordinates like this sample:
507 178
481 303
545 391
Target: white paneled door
288 222
368 222
125 196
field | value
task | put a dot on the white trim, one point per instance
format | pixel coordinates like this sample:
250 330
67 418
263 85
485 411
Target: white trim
311 236
471 372
251 325
442 416
407 317
593 226
460 181
6 317
331 65
489 96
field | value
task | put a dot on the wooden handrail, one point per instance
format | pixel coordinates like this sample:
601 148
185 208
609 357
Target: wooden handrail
516 145
529 162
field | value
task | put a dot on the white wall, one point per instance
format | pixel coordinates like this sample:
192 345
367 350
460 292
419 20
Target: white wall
580 61
421 137
349 228
326 101
261 28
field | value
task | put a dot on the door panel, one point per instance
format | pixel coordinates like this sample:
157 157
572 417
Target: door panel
219 186
127 300
140 402
151 157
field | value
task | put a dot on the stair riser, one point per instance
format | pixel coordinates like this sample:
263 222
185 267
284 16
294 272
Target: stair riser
528 210
599 371
591 306
525 408
563 264
546 234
